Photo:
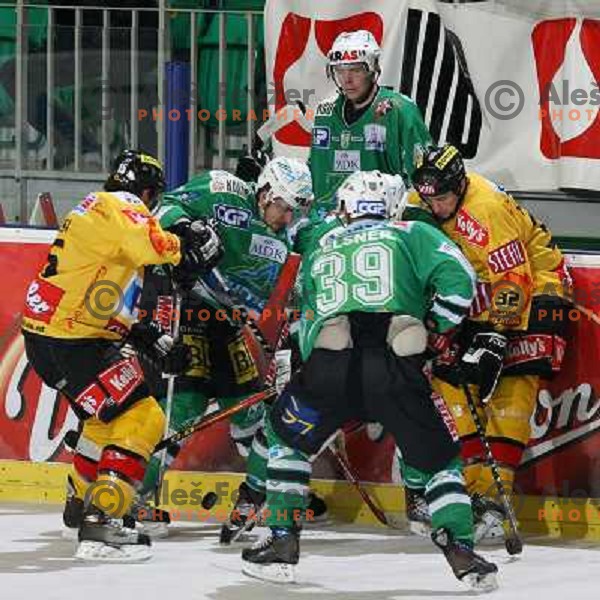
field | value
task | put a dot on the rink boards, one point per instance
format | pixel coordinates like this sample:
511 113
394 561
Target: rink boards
559 477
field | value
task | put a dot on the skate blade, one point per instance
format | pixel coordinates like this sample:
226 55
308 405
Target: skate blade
481 584
154 530
275 572
419 528
70 533
100 552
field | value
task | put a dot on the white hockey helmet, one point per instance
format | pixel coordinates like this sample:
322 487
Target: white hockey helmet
288 179
372 193
354 47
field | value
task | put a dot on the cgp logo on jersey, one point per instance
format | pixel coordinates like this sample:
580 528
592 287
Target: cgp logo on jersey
321 137
269 248
232 216
575 48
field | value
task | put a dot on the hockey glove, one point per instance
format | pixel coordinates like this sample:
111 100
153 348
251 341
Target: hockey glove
482 362
202 249
160 349
250 166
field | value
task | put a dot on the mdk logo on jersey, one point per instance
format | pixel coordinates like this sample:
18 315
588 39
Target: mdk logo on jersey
567 57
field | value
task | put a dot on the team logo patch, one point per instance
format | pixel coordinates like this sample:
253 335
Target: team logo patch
507 257
345 137
346 161
471 229
375 137
321 137
42 300
383 107
232 216
269 248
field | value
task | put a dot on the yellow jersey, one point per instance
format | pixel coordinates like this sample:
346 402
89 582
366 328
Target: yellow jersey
511 252
90 286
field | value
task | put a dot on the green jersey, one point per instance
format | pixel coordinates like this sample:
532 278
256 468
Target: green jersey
385 137
254 253
405 268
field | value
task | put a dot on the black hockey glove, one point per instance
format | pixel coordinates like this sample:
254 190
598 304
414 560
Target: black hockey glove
166 355
250 165
201 250
482 362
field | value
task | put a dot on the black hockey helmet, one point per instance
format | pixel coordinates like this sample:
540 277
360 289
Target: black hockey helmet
135 171
439 170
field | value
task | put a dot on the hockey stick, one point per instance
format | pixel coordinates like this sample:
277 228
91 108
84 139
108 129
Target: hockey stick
351 477
170 395
513 541
216 418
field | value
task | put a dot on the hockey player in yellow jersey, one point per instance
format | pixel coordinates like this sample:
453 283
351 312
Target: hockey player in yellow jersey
78 312
514 333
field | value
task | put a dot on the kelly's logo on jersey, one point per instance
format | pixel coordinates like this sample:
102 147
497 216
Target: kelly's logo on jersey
268 248
471 229
232 216
321 137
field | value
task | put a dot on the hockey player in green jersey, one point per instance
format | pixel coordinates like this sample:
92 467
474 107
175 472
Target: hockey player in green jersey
371 290
364 126
252 224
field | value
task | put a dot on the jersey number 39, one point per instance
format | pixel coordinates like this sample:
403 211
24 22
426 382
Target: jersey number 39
364 277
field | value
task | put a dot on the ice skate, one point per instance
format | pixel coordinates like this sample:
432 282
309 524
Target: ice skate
489 517
469 567
103 538
274 558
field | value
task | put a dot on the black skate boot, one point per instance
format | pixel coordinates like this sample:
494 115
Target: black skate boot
103 538
72 512
244 516
318 508
274 558
417 512
474 570
489 517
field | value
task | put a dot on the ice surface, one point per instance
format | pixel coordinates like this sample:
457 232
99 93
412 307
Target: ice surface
341 562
